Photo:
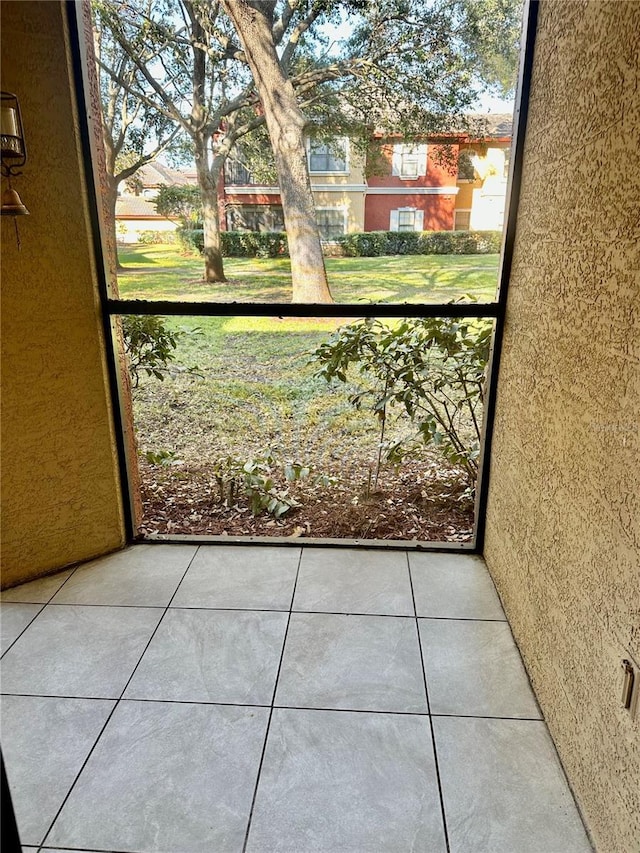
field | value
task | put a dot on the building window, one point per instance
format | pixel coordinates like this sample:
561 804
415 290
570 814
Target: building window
409 161
507 160
463 220
328 156
466 171
237 174
406 219
331 223
255 217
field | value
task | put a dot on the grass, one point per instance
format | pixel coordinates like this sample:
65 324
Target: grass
162 272
253 386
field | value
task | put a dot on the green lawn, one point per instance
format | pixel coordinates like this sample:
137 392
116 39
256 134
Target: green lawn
240 384
161 272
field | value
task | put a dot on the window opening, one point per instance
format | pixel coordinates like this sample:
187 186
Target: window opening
328 156
396 293
331 222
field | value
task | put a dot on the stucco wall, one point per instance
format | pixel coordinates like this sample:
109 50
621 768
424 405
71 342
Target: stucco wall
351 202
60 491
439 210
563 533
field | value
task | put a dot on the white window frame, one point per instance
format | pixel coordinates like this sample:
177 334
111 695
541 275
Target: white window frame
394 220
347 153
418 152
455 214
340 208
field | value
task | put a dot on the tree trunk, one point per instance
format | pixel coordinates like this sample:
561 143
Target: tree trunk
213 264
285 123
110 212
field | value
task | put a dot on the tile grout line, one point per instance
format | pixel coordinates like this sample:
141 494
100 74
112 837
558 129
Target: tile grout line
273 699
426 690
113 710
42 604
43 849
258 610
29 623
282 707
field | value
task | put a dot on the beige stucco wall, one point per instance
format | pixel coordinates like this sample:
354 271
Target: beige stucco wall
349 199
351 202
563 534
60 492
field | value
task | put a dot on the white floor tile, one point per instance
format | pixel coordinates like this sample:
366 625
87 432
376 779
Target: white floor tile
367 663
78 651
45 742
504 789
142 575
345 580
36 592
474 669
14 618
260 578
453 586
349 782
167 778
212 656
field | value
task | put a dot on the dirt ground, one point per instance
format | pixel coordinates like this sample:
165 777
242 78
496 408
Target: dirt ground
425 500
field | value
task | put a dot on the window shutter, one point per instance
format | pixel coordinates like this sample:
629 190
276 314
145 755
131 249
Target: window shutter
419 220
396 160
422 160
393 224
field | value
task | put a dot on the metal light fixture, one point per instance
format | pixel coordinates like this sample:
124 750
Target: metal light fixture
13 153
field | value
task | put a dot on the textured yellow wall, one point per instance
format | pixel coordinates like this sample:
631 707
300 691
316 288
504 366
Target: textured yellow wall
352 202
60 491
563 533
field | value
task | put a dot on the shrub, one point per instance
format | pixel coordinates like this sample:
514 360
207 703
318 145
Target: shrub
254 244
432 368
239 244
156 238
149 346
375 243
254 479
191 239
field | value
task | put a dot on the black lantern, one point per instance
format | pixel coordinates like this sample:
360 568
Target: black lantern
13 153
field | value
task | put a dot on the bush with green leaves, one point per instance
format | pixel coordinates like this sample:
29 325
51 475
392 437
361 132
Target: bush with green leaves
149 346
183 202
239 244
431 368
376 243
156 238
255 480
254 244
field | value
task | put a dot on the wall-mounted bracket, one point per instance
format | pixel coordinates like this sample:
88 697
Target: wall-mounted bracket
628 677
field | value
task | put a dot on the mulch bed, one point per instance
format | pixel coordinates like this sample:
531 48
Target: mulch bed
424 500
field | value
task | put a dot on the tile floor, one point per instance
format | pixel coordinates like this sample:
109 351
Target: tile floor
218 698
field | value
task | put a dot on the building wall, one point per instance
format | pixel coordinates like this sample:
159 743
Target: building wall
464 199
60 490
351 202
389 192
563 527
440 172
438 210
485 198
129 230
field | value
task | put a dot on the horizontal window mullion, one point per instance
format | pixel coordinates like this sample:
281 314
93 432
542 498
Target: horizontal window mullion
118 307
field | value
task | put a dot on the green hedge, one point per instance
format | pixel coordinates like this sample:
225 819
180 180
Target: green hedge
374 243
240 244
156 238
273 244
